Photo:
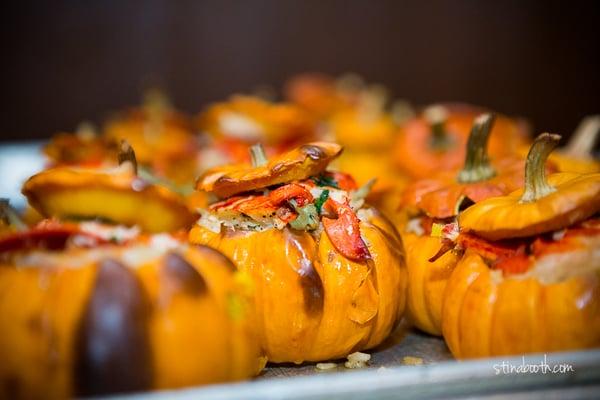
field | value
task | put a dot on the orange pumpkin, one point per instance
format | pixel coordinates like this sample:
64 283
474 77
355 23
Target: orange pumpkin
550 303
367 131
328 271
247 120
436 140
322 96
515 291
577 155
150 313
154 130
114 194
428 204
85 147
162 137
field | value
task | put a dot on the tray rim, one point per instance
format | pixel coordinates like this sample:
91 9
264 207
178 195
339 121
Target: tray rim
444 379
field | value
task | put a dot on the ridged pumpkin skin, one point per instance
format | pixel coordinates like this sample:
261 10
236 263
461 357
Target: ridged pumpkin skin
94 324
313 303
484 316
426 281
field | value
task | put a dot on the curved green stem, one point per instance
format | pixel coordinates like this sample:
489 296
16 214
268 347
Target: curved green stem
156 103
86 130
477 164
536 185
127 155
436 116
258 155
585 136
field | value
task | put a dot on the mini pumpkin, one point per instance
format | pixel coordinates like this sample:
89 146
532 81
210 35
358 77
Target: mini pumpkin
155 130
148 313
431 203
541 296
367 130
328 270
247 120
435 141
529 279
84 147
577 156
319 94
115 194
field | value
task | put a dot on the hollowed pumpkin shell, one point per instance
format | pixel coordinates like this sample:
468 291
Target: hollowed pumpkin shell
313 303
118 319
427 281
301 163
116 195
485 314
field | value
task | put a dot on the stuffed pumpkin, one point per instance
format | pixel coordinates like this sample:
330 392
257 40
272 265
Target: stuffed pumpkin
89 310
367 131
578 156
435 140
529 280
427 206
162 137
117 194
241 121
328 270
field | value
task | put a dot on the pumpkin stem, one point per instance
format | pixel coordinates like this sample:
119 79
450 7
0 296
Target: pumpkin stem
372 103
10 216
585 136
436 116
127 155
86 130
536 185
258 155
477 164
156 103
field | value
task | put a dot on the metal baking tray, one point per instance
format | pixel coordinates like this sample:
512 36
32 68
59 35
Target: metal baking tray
387 376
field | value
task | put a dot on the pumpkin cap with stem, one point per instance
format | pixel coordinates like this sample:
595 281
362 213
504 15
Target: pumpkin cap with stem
585 136
436 116
127 156
536 185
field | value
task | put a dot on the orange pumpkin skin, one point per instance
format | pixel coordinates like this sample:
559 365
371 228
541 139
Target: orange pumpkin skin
313 303
427 281
250 119
117 195
317 94
486 316
173 329
414 156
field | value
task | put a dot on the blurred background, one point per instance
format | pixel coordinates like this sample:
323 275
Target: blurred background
68 60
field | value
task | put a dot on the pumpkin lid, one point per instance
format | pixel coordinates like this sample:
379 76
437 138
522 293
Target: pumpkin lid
544 205
300 163
577 155
251 119
117 194
442 196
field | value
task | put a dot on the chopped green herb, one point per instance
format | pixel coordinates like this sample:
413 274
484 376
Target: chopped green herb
321 200
325 180
307 219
